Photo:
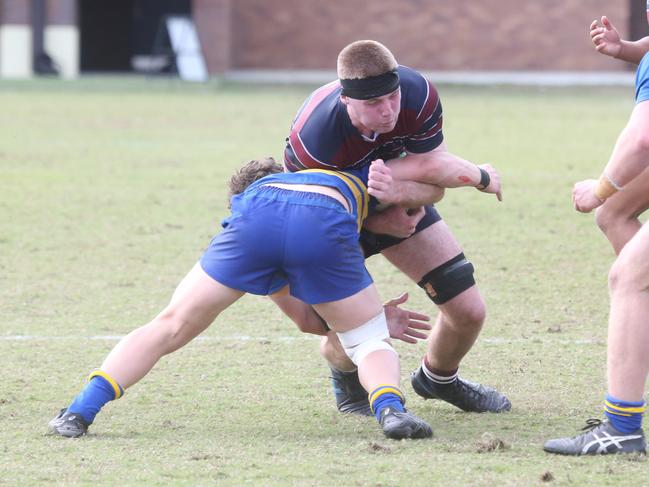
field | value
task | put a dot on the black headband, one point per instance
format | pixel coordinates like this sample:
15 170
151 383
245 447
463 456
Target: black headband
370 87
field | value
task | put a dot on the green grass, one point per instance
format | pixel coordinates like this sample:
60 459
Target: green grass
111 188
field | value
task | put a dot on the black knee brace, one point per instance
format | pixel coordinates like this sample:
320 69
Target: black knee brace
448 280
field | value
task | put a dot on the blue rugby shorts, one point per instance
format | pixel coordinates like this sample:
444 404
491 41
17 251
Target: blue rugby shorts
278 236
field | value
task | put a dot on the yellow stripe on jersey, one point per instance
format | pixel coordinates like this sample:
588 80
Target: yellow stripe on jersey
99 373
357 188
363 189
354 184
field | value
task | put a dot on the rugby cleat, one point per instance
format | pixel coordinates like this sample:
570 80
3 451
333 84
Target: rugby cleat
463 394
397 425
350 395
599 438
70 425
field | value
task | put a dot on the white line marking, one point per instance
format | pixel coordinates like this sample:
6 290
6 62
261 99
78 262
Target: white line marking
231 338
248 338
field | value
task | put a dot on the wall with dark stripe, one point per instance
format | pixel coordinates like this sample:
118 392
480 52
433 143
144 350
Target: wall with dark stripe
425 34
14 12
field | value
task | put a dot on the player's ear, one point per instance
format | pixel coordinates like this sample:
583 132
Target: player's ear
344 100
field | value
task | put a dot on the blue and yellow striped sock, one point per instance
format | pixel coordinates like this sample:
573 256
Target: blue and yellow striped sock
101 388
386 396
625 416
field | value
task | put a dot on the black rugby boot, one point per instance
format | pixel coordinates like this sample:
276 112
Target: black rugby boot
463 394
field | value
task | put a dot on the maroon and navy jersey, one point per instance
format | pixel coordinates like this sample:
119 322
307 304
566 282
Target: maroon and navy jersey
322 135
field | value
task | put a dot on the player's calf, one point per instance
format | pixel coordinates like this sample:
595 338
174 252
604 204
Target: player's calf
366 347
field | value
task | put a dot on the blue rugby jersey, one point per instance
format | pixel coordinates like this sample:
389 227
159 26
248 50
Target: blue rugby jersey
350 186
322 135
642 80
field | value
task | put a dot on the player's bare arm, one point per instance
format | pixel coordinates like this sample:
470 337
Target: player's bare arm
630 157
397 221
443 168
390 191
303 315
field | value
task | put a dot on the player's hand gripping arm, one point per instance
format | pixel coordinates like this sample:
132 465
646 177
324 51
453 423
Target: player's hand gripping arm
403 200
390 191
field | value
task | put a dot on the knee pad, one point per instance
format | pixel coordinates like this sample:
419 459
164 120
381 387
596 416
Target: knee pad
365 339
448 280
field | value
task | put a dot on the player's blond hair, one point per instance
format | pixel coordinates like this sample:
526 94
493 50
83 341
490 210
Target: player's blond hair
363 59
251 172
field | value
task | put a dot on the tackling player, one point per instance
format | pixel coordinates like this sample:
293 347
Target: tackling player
308 223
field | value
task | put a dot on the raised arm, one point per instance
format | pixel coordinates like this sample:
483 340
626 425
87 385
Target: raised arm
607 40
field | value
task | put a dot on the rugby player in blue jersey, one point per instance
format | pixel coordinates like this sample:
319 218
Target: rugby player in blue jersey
293 236
384 121
620 195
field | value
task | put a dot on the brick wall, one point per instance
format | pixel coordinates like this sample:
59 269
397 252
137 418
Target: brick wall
14 12
61 12
58 12
214 23
425 34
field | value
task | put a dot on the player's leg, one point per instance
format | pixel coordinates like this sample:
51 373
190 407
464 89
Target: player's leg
326 268
333 352
350 395
462 310
433 258
628 338
350 313
359 321
193 307
348 391
628 359
195 304
618 216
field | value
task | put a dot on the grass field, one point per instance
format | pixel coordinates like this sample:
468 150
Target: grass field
111 188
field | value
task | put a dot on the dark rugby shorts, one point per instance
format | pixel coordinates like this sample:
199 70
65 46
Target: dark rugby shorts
374 243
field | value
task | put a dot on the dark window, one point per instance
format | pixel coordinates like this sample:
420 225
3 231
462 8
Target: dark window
113 31
106 34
